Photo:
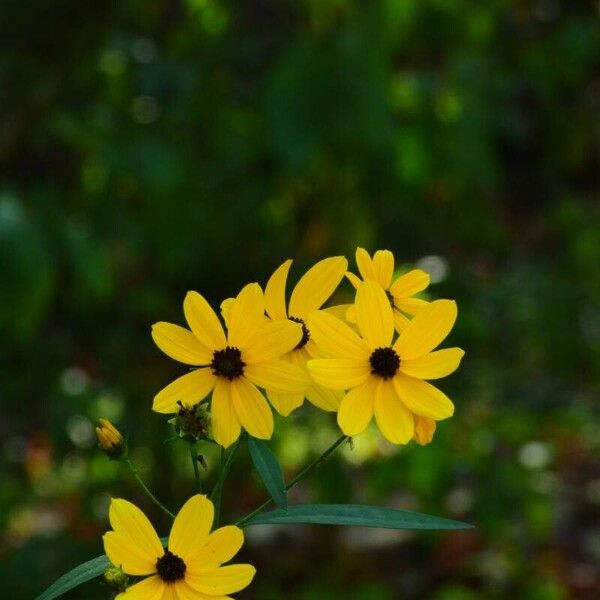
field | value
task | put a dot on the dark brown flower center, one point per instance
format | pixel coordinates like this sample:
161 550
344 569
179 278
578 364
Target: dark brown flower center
305 333
228 363
170 567
384 362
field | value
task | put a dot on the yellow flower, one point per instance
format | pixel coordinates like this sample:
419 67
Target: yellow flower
191 567
380 268
110 439
310 293
230 366
386 378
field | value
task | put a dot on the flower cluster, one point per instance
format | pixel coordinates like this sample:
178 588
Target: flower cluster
190 568
369 358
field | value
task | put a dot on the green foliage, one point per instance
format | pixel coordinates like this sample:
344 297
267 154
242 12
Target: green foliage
74 578
354 515
151 148
269 470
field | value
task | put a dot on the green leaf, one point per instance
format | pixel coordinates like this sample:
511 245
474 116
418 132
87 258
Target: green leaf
269 470
353 514
84 572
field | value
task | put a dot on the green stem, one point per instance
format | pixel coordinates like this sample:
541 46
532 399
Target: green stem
297 478
224 469
150 495
194 456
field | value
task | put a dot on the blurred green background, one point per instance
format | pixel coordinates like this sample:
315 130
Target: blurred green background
148 148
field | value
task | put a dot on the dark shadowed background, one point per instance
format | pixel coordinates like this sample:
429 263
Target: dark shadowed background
148 148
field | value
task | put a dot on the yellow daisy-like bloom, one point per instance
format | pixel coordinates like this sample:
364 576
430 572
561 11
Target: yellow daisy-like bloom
310 293
386 378
190 569
400 292
230 366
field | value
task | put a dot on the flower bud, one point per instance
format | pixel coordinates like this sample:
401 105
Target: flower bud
424 430
116 578
110 439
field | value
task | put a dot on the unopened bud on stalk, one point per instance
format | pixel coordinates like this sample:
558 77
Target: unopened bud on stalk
116 578
110 439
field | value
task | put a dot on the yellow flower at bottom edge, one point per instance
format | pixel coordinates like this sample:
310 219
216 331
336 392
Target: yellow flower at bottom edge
190 569
399 292
386 379
230 366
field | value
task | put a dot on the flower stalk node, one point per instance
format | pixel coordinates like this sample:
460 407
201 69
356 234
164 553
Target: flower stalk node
191 423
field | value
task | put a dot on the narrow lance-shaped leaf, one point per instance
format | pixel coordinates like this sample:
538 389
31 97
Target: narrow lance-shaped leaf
84 572
75 577
269 470
356 515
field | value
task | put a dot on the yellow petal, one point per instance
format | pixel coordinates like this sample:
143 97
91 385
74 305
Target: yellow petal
383 267
247 316
190 389
222 580
339 373
203 321
180 344
353 279
339 310
273 341
299 357
170 593
316 286
186 592
400 321
191 527
226 307
151 588
131 523
433 365
252 409
426 330
410 283
335 338
365 265
350 315
225 423
374 315
285 402
275 292
324 398
394 420
222 545
127 554
422 398
356 408
411 306
278 375
424 430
